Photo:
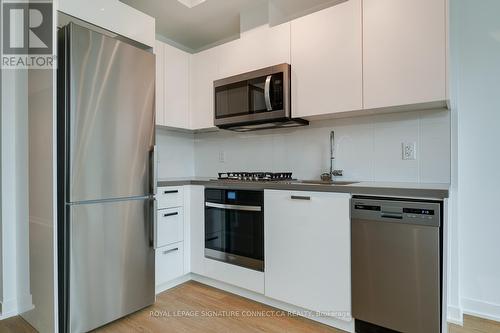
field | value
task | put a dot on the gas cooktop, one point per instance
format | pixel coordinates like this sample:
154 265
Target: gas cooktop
256 176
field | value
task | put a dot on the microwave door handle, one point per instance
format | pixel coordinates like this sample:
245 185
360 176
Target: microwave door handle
267 93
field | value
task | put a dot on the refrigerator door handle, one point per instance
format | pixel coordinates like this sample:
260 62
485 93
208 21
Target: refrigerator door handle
154 221
152 161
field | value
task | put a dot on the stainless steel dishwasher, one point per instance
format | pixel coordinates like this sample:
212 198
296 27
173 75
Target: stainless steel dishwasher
396 247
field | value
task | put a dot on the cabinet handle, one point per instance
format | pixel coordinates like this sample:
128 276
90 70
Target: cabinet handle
171 192
170 214
299 197
171 250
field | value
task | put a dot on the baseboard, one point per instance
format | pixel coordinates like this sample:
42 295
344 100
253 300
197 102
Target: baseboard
455 315
16 306
481 309
173 283
25 304
8 309
346 325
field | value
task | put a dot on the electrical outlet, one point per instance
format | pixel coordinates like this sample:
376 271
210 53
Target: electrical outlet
409 150
222 157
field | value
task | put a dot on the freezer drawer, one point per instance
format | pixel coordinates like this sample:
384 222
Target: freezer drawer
112 261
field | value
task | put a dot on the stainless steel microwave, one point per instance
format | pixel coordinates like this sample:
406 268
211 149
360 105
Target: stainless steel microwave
255 100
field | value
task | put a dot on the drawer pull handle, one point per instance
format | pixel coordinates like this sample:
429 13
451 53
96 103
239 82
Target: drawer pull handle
299 197
171 250
170 214
171 192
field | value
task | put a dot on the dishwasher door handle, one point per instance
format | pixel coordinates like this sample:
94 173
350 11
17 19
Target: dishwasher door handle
389 215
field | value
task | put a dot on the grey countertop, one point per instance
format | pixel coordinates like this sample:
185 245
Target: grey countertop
392 189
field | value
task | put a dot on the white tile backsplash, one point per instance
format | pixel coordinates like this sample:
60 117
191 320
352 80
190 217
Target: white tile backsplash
175 153
367 148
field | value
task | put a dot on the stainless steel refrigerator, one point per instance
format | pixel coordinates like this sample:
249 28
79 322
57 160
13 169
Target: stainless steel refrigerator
106 178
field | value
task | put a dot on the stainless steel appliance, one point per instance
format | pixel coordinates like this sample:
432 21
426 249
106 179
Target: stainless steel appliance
234 227
396 265
255 100
106 182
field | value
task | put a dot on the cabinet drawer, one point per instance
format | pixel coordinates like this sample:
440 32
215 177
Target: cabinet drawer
170 197
169 261
170 226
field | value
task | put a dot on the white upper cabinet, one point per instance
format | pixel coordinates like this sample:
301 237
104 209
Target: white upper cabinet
203 71
359 54
307 249
260 47
404 52
159 51
176 88
326 59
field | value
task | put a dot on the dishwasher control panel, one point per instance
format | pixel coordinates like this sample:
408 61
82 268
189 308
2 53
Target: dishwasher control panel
397 210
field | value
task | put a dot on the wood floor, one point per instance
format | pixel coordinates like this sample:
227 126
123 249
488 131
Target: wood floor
193 307
475 325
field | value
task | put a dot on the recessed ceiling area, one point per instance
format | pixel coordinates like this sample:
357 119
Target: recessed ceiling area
198 24
191 3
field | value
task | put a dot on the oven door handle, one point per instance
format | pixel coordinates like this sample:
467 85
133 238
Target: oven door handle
234 207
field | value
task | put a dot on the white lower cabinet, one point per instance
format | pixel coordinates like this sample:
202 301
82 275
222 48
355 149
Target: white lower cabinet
170 226
170 237
169 261
307 250
171 196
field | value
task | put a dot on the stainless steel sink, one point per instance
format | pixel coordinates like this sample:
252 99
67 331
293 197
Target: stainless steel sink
327 182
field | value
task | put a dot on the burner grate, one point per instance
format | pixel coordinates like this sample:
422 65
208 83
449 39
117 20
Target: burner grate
255 176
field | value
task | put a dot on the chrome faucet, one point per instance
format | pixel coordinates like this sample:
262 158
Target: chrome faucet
333 172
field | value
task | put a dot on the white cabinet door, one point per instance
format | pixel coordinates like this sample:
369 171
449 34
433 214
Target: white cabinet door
197 228
169 226
176 88
169 263
203 71
404 52
170 197
260 47
326 59
160 81
307 250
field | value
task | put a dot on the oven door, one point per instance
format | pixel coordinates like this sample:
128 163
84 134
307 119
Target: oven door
235 234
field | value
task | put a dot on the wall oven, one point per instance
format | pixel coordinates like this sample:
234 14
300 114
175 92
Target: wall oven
234 227
255 100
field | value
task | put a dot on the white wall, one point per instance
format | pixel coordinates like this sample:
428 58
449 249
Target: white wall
14 220
175 153
476 54
41 201
367 148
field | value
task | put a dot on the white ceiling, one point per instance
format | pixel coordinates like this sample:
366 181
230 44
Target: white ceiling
196 27
213 21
